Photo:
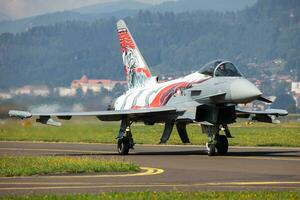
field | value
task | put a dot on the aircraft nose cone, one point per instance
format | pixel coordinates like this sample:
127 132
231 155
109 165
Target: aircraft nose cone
243 91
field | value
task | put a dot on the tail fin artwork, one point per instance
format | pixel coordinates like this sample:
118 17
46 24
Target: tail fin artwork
136 68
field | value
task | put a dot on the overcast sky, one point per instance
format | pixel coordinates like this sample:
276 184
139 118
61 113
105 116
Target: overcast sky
26 8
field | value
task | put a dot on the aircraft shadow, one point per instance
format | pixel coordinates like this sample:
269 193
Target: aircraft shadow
257 153
264 153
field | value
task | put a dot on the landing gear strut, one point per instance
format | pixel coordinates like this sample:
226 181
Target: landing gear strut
125 140
216 142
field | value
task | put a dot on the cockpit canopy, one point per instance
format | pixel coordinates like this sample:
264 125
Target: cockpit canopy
220 68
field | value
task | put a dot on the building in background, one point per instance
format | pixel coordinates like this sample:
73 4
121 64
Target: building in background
31 90
95 85
296 93
65 92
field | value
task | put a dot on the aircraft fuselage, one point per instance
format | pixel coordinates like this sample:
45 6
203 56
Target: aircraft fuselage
199 87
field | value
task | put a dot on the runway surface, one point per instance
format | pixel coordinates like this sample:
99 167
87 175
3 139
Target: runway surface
183 168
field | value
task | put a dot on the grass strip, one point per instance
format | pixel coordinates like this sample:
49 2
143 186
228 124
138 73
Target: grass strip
89 130
246 195
42 165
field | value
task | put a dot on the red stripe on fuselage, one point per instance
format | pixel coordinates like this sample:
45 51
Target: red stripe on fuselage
166 93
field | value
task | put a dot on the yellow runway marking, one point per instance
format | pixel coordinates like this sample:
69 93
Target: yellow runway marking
148 171
257 183
45 183
113 185
262 158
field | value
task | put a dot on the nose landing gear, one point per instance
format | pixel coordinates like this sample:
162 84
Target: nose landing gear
216 143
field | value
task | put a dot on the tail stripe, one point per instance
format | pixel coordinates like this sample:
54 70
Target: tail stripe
136 69
125 40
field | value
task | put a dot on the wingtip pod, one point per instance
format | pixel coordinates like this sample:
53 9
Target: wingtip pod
19 114
279 112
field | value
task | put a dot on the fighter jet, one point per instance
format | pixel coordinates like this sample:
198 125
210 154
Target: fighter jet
208 97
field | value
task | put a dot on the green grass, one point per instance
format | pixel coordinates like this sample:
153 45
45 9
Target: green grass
90 130
266 195
30 165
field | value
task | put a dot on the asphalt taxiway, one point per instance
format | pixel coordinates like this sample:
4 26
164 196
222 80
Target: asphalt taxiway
165 167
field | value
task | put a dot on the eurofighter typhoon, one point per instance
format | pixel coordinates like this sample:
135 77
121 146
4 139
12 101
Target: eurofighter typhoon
208 97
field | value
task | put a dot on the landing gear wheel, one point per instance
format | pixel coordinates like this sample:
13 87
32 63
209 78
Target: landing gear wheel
222 145
211 149
123 146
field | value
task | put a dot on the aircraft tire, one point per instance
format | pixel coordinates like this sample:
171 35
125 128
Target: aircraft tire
222 145
123 146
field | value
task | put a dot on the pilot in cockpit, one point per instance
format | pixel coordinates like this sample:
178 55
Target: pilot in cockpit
222 70
222 67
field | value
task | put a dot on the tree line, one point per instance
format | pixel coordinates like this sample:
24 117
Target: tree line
172 43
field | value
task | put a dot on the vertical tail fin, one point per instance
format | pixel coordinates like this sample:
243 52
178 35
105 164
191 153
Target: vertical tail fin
136 68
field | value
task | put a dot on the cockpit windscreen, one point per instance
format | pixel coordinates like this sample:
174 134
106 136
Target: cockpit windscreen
220 68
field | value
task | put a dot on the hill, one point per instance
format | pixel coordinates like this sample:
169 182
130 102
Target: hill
3 17
90 13
111 7
173 43
117 9
192 5
22 25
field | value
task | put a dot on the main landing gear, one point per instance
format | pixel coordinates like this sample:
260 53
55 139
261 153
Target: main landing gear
125 140
216 143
